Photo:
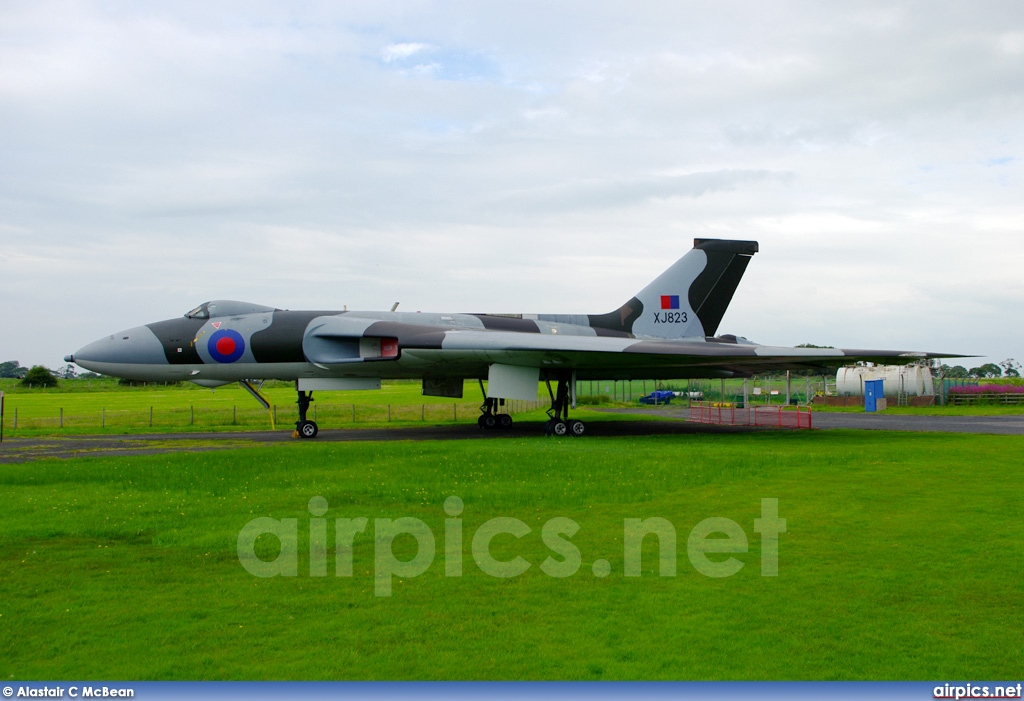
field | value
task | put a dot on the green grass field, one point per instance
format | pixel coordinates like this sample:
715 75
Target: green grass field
76 408
101 406
902 560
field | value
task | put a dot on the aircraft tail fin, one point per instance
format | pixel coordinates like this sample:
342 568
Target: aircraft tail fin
690 298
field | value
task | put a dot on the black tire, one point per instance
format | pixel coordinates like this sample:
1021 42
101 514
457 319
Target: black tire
505 421
577 428
480 421
490 421
308 429
559 428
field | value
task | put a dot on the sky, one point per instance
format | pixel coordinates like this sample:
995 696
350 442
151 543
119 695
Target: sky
540 157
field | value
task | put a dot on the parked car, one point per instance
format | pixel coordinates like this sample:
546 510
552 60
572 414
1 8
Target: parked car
658 396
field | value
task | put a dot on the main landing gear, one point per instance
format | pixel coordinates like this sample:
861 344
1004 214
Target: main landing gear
489 416
558 423
305 428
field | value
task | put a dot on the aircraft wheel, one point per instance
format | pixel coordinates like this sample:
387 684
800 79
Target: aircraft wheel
490 421
548 426
505 421
559 428
308 429
576 428
480 420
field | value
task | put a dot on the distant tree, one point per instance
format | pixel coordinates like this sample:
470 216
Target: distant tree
813 371
957 372
987 371
68 372
39 376
1011 368
12 369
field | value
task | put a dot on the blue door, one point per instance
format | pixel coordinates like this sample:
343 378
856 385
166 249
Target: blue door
873 391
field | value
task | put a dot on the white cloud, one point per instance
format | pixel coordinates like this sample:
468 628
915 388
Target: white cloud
397 52
519 157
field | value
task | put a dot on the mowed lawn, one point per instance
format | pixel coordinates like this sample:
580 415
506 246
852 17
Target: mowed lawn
902 559
75 409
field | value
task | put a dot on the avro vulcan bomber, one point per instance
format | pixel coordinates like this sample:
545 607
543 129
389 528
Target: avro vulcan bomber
667 331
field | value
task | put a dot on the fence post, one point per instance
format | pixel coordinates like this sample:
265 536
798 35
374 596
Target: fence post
234 415
275 414
389 413
62 417
15 418
103 417
455 412
192 415
423 412
151 417
353 413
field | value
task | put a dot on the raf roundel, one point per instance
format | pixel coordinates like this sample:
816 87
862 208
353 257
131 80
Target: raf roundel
226 346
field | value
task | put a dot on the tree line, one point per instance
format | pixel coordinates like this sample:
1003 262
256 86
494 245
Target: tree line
989 371
38 375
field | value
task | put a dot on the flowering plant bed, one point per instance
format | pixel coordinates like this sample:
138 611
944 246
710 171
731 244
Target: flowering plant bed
986 394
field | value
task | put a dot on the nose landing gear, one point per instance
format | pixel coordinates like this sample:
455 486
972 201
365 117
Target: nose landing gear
305 428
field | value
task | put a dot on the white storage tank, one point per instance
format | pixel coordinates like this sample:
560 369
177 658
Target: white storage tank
915 380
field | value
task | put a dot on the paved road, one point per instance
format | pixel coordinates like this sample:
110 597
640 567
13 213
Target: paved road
1002 425
28 449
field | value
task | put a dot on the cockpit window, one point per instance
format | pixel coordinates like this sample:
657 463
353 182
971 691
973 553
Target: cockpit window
227 307
200 312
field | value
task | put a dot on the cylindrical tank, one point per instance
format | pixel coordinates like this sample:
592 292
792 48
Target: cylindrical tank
915 380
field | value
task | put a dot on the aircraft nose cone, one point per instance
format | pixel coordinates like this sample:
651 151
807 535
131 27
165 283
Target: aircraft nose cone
115 354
